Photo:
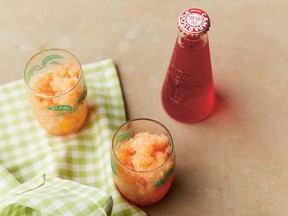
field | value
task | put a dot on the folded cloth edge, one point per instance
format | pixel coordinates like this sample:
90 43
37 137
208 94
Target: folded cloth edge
44 180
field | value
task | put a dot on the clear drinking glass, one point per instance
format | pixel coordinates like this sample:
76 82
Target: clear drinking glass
143 186
57 91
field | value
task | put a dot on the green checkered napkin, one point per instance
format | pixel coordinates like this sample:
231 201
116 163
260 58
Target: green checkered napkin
45 195
42 174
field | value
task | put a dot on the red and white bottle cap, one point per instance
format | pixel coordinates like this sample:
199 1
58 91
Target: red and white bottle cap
193 22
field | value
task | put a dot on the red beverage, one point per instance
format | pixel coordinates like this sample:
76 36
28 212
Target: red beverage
188 89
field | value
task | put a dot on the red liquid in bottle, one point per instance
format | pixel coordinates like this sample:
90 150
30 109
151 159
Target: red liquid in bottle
188 89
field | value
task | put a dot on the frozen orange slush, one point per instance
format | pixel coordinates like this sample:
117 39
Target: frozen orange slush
59 100
146 168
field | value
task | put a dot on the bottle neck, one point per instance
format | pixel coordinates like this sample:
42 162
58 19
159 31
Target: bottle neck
186 41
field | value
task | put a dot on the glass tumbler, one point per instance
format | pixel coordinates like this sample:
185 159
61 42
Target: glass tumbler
143 161
56 91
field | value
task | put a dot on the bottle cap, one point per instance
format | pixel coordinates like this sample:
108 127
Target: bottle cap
193 22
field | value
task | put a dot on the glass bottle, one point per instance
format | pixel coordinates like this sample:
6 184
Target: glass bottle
188 89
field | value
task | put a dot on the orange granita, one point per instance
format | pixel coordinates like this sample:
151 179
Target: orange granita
144 151
60 80
150 164
59 104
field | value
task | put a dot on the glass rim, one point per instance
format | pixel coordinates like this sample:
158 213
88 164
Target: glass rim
52 96
143 171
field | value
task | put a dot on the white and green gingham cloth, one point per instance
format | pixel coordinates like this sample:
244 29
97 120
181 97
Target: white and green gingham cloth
42 174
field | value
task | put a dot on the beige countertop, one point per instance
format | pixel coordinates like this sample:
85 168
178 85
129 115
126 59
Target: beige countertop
233 163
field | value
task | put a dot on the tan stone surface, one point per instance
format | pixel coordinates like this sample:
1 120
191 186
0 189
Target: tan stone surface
233 163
